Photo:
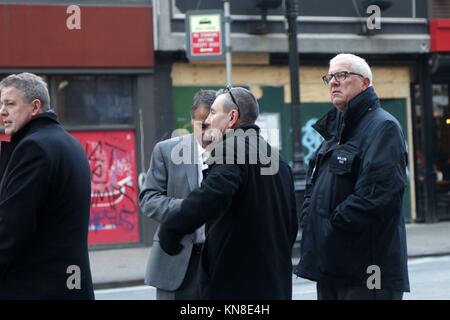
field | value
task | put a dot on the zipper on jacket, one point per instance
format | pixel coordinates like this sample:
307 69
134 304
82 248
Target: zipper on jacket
314 170
341 129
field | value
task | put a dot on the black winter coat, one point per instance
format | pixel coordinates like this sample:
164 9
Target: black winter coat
44 214
251 228
352 212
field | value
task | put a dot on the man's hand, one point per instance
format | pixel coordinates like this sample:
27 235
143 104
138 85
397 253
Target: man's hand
169 241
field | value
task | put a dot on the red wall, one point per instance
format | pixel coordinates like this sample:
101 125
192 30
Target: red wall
440 35
37 36
114 216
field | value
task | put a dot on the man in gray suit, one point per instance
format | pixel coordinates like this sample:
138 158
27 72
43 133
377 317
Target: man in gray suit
175 170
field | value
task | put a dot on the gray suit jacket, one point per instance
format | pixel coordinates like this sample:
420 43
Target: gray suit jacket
167 183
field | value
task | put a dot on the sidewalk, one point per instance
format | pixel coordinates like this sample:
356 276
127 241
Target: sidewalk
428 239
126 267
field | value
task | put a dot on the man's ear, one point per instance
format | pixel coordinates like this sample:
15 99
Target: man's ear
366 83
234 119
37 107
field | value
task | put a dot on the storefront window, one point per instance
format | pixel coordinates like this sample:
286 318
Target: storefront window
419 154
93 100
441 112
441 150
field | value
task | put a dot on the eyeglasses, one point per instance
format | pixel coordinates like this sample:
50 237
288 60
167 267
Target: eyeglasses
228 88
339 76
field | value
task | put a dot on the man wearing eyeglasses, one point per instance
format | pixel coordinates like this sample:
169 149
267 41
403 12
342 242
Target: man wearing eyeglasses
354 238
175 170
250 213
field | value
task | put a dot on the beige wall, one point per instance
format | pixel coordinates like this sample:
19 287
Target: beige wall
389 82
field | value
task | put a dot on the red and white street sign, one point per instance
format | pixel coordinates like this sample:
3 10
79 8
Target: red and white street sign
206 43
205 40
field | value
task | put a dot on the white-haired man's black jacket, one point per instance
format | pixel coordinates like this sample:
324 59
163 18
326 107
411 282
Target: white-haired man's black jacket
352 213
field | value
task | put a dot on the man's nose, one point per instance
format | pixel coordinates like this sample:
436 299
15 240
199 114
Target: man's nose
334 82
3 109
208 121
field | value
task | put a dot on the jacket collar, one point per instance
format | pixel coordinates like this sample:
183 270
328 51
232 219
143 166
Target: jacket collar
246 127
359 105
34 124
243 127
223 146
329 125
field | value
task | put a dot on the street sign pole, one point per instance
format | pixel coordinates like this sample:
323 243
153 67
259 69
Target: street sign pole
299 168
227 18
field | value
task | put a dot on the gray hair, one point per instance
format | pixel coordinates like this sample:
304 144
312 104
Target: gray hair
30 86
248 105
357 64
203 98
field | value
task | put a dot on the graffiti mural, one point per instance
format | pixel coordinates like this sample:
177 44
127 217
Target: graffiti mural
311 139
114 200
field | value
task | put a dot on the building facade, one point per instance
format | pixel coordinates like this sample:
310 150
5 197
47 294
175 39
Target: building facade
120 81
98 60
399 49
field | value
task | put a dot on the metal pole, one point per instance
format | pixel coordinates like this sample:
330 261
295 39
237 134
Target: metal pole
227 18
299 169
428 133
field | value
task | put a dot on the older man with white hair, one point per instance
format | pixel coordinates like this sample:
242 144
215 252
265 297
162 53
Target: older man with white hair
354 239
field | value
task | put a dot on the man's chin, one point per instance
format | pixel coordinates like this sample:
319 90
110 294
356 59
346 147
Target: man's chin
212 136
205 144
337 101
339 104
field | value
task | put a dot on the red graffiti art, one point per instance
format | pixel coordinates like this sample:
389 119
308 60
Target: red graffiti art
114 216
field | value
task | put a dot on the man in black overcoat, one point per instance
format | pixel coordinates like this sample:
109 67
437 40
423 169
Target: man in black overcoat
44 199
248 204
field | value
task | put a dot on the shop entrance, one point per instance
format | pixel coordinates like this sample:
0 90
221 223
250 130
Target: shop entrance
438 133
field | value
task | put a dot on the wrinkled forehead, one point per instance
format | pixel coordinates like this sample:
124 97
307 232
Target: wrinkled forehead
9 93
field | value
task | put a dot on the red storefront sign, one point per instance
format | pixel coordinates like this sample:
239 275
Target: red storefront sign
114 196
440 35
94 45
